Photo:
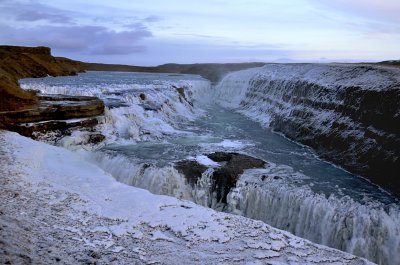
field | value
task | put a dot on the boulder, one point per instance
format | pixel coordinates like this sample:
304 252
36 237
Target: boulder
232 165
226 176
191 169
96 138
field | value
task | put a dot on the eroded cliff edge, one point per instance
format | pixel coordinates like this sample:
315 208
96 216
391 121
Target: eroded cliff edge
26 111
19 62
349 114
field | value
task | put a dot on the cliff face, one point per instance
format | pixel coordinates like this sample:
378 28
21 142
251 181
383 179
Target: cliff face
25 111
20 62
350 114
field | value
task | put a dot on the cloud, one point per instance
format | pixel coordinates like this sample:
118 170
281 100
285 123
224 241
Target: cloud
31 11
79 39
374 10
33 15
152 19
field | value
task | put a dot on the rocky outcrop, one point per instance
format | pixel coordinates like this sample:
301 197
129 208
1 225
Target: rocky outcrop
20 62
191 169
28 113
232 165
54 112
350 114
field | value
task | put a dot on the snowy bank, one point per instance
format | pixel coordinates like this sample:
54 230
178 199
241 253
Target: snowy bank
57 207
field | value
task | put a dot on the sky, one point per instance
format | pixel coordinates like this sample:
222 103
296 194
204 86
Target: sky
153 32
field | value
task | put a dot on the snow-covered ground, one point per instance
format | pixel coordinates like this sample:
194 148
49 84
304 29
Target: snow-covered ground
55 207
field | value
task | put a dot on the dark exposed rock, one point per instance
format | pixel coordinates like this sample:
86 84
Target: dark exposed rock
142 96
182 96
232 165
54 112
29 129
226 176
191 169
221 156
20 62
96 138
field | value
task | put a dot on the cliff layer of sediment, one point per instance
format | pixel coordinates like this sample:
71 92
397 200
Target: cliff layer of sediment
21 62
27 112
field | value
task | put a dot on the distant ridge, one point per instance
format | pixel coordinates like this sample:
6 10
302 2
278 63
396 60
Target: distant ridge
391 63
211 71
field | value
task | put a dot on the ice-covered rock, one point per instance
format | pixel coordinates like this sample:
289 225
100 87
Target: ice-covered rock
350 114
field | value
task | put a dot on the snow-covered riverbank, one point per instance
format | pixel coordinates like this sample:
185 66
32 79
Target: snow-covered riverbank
58 208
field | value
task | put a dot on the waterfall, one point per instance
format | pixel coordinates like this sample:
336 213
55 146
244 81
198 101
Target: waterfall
368 230
135 110
307 103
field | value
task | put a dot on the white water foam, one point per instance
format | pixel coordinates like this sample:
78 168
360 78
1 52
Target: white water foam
369 230
145 111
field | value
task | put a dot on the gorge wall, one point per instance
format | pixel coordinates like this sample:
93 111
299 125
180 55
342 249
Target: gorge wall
20 62
349 114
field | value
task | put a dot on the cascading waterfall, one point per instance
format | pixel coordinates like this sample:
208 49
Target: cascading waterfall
157 109
137 109
369 230
310 104
164 181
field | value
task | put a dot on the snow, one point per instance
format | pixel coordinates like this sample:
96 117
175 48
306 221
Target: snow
90 216
204 160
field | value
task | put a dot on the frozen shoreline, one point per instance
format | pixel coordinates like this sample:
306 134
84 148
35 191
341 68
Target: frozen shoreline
58 208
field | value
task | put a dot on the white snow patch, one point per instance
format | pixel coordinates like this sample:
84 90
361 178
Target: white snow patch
204 160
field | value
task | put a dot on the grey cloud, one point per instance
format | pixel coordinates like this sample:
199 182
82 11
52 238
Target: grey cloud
31 11
79 39
200 36
370 17
140 22
151 19
33 15
382 11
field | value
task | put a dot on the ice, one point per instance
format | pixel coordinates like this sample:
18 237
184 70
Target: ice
158 235
204 160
